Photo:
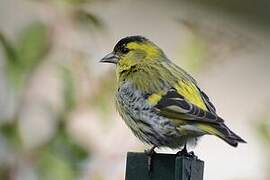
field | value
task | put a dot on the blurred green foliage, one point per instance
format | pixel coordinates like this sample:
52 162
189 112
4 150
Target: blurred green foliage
9 50
61 157
263 131
23 56
106 90
11 133
32 45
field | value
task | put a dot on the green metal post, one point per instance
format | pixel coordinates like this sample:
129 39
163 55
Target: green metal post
164 167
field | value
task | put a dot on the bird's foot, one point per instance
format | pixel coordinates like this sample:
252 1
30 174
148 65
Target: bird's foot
150 153
185 153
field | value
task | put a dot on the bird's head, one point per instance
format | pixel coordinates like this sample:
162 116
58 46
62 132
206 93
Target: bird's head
133 51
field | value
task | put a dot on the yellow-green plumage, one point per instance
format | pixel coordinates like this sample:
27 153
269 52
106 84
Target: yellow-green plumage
159 101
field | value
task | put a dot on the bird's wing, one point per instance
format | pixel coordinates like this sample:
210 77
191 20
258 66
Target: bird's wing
173 105
207 102
188 87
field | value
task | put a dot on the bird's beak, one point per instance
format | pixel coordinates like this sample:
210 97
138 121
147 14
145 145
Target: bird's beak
110 58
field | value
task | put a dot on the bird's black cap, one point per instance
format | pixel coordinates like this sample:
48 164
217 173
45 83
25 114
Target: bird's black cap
123 42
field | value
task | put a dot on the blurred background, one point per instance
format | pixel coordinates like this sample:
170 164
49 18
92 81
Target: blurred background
57 115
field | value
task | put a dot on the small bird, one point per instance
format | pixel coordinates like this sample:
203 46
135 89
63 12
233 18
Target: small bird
159 101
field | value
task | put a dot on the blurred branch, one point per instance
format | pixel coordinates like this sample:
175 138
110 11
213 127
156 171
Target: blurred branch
78 2
9 50
68 89
251 11
87 19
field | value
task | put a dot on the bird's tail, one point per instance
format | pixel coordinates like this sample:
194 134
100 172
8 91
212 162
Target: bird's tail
222 131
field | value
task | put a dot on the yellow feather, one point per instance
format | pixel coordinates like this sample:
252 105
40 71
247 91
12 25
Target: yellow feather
152 50
209 129
155 98
191 93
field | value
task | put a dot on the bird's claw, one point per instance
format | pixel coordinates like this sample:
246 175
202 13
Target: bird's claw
150 153
185 153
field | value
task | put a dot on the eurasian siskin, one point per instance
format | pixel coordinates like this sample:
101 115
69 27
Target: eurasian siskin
159 101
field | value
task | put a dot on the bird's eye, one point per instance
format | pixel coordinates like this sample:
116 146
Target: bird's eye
125 50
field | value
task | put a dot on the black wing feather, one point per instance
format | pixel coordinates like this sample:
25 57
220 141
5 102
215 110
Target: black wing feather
173 105
207 102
